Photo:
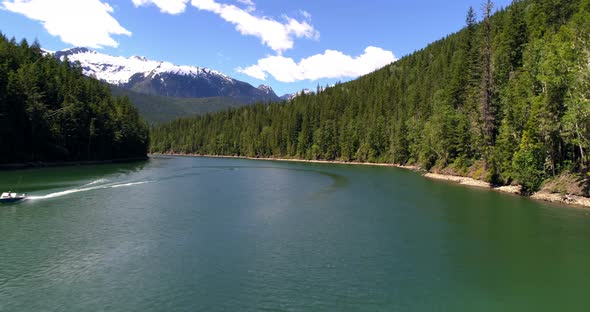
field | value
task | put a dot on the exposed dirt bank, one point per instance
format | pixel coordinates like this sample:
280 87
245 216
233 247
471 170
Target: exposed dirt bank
562 198
512 189
415 168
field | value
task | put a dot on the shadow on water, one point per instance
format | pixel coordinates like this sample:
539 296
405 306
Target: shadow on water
45 183
338 181
48 183
37 179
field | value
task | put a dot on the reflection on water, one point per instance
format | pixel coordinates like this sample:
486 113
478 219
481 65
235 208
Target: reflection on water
30 180
184 234
66 181
338 181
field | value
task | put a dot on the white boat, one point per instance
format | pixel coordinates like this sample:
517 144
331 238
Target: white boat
9 197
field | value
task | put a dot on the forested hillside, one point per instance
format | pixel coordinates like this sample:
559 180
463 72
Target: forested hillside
49 111
506 99
156 109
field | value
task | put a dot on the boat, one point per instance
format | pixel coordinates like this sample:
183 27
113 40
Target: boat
9 197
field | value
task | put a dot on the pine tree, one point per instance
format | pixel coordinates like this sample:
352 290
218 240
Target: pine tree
487 83
508 94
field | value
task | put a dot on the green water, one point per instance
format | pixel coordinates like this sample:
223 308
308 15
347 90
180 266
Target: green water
196 234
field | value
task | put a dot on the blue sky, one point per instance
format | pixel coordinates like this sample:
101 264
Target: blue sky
289 45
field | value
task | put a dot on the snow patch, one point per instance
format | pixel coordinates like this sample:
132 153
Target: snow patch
118 70
291 96
266 89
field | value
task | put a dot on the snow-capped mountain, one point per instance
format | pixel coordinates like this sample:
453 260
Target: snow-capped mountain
290 96
266 89
142 75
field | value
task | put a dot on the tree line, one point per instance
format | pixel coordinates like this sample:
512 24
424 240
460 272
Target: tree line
506 99
49 111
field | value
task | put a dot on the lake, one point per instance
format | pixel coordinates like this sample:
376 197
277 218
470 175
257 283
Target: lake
204 234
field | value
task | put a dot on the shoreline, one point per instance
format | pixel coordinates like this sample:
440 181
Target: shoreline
336 162
47 164
511 189
572 200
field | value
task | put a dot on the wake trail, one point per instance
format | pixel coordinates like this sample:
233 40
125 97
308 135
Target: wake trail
101 184
99 181
86 189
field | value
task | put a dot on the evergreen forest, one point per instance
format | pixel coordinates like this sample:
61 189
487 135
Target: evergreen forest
506 100
49 111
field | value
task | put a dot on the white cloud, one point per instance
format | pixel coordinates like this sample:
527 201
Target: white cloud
305 14
254 71
85 23
250 5
330 64
166 6
274 34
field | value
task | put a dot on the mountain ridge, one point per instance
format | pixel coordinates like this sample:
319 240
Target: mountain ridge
142 75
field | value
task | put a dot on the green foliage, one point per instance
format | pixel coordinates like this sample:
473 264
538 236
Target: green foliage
528 164
49 111
156 109
504 100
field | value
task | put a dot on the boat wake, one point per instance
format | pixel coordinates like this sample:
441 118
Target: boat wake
99 181
95 185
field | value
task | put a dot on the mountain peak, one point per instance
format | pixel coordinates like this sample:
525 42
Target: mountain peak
119 70
290 96
143 75
266 89
139 58
77 50
72 53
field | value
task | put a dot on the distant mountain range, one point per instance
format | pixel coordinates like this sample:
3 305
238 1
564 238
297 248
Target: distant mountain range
163 91
289 97
139 74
